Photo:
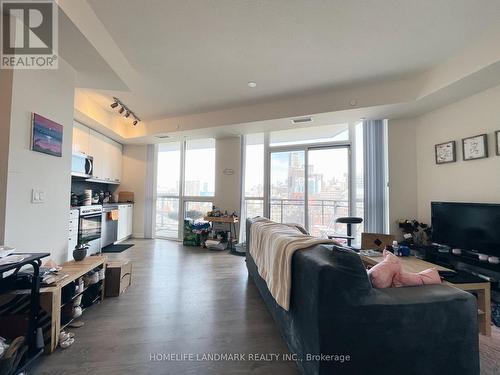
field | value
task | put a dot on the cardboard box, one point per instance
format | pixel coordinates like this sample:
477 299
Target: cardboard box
125 197
118 277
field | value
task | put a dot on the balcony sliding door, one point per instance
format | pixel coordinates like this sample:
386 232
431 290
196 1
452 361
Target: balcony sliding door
287 181
310 185
328 188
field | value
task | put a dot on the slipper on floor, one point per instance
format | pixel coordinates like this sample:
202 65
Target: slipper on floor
77 324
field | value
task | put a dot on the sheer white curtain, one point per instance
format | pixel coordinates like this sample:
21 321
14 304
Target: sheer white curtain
375 176
243 215
150 194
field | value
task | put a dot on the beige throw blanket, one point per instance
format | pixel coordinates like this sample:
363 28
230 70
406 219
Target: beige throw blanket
272 246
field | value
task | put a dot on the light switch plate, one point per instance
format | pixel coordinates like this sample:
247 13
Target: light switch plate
37 196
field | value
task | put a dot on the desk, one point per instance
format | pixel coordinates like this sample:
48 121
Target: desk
483 289
232 221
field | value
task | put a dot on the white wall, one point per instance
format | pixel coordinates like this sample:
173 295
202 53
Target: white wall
39 227
470 181
5 105
415 185
134 179
227 186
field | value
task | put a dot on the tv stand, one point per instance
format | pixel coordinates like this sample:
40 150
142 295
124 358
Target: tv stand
465 263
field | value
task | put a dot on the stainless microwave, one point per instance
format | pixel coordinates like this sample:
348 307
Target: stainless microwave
82 165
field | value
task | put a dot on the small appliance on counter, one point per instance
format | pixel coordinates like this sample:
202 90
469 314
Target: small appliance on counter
75 200
86 198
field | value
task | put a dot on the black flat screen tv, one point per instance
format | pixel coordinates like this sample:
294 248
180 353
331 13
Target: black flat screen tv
468 226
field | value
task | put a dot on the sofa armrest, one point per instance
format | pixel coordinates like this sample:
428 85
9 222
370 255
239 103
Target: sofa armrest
416 330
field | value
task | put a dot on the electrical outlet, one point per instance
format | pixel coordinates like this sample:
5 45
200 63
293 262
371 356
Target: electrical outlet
37 196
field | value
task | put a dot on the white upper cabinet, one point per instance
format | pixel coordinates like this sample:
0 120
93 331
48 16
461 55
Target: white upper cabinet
107 153
112 163
97 151
81 137
116 161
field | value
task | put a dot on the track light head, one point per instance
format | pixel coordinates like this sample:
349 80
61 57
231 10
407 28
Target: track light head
124 110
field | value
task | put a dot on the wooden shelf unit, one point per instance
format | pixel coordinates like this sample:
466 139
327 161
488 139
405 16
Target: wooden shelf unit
50 298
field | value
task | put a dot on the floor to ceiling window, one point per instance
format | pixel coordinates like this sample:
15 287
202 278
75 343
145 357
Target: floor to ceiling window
168 190
185 184
310 175
254 175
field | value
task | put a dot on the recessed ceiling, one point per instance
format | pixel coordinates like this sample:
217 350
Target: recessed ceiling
197 56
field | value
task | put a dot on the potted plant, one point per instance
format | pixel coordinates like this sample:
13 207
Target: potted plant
415 232
80 251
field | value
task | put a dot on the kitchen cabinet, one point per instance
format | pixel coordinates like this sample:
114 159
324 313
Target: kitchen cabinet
125 220
73 232
130 219
112 163
97 149
81 138
107 155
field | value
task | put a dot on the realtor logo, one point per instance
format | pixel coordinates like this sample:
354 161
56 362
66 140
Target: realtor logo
29 35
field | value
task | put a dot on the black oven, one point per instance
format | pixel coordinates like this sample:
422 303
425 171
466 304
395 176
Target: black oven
90 227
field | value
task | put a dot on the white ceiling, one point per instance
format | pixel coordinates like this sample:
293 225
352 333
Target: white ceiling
198 55
92 70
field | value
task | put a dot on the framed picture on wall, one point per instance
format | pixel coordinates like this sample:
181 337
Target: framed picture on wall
46 135
475 147
497 137
446 152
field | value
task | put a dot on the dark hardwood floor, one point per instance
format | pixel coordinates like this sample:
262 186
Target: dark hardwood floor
186 300
183 300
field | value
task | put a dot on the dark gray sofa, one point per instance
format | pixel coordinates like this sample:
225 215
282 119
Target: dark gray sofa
335 311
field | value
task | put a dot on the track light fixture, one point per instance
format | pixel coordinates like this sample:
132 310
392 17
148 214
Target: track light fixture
124 110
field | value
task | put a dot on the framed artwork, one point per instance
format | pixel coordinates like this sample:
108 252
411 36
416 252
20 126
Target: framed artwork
46 135
475 147
446 152
497 137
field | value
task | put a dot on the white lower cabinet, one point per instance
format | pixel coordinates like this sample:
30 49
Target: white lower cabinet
125 220
73 232
130 219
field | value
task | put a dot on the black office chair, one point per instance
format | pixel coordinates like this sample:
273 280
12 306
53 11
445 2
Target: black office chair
349 220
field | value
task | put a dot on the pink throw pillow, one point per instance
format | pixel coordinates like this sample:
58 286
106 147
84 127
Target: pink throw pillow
382 274
426 277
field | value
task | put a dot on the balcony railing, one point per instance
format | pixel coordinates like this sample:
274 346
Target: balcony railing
321 216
